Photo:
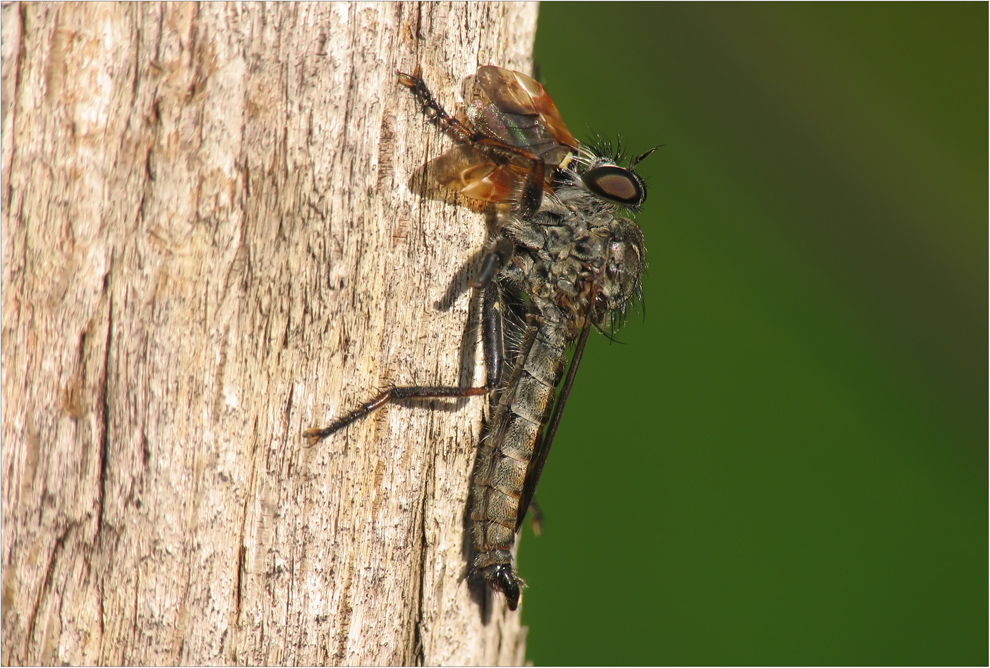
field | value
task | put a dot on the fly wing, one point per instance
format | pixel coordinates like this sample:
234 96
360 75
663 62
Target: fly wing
542 449
511 107
485 173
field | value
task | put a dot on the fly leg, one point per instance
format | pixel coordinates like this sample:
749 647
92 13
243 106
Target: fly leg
317 434
493 332
531 192
493 262
494 351
535 518
459 131
433 111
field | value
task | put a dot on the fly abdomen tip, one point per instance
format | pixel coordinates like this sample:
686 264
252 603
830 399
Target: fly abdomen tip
505 581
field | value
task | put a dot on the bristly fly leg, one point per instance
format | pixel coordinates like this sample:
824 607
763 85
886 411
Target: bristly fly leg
393 394
531 194
536 517
494 351
493 262
435 113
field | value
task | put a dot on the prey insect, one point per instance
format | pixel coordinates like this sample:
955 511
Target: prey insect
566 258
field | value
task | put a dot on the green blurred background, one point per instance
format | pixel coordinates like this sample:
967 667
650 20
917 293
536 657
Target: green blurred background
785 461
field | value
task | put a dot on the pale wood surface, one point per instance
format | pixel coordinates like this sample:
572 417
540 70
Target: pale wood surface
212 240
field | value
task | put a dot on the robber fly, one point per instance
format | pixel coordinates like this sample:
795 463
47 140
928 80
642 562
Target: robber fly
566 259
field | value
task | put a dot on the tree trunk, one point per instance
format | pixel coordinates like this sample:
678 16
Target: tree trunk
213 239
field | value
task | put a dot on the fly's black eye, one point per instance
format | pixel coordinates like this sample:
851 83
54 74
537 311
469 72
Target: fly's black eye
616 184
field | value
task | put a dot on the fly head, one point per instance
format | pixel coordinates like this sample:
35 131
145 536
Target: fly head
608 181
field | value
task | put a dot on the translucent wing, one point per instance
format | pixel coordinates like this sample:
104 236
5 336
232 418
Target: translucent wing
481 173
512 108
542 449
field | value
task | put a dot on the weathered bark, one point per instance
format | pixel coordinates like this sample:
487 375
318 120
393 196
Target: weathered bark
212 240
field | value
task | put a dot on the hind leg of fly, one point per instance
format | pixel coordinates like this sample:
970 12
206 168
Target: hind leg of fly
494 352
393 394
536 517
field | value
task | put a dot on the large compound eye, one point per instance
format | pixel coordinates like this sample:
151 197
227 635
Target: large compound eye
616 184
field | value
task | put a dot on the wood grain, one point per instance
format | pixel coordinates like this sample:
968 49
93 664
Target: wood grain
213 238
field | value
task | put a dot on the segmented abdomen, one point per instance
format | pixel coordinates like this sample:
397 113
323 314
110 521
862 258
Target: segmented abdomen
506 450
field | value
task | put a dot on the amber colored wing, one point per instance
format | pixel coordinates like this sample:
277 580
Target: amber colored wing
511 107
475 172
518 141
